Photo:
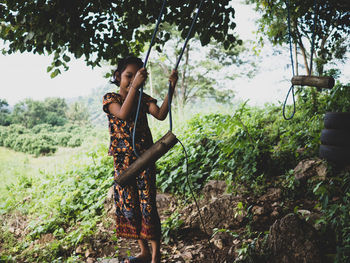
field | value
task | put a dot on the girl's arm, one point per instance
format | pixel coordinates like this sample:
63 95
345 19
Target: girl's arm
123 111
162 112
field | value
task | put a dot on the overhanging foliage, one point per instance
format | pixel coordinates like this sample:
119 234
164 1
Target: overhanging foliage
104 30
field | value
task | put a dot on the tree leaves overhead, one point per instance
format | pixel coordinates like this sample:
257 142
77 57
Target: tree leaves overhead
102 29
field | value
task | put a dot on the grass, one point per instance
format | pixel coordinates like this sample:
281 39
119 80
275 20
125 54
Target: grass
15 165
12 165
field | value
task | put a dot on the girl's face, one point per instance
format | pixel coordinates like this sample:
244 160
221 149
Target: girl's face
128 76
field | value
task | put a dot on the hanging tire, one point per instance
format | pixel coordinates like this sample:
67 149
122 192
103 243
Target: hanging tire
335 137
337 120
336 154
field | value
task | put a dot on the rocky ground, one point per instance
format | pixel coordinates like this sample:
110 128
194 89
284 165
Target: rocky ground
234 226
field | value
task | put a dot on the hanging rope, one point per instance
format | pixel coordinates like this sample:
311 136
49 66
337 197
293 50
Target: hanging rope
144 65
291 89
178 62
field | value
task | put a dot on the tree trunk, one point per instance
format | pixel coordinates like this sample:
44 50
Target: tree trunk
302 48
296 59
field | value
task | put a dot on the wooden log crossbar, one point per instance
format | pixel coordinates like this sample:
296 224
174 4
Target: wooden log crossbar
323 82
157 150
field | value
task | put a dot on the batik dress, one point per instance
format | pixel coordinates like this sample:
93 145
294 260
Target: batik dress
136 211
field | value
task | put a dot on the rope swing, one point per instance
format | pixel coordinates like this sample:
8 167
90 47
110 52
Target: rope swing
320 82
164 144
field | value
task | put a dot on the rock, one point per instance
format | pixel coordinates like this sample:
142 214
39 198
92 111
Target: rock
272 195
310 168
213 189
292 240
164 200
257 210
221 212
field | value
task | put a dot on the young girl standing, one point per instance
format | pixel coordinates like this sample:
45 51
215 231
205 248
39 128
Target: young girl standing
136 211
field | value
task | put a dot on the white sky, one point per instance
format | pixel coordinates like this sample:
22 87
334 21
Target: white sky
24 75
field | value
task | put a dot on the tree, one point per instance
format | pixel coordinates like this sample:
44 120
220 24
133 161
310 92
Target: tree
28 113
5 117
332 27
103 29
201 69
78 113
31 112
55 111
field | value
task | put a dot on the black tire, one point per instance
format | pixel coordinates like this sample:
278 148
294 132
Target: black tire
335 137
336 154
337 120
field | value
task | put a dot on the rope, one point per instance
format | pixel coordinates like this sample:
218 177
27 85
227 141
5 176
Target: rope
144 65
178 62
292 63
291 56
197 206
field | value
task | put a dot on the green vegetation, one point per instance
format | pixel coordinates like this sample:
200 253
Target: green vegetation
40 127
42 139
253 148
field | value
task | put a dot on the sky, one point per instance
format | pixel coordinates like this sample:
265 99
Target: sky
24 75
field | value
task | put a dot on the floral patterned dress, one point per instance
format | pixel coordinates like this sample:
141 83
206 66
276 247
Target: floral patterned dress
136 211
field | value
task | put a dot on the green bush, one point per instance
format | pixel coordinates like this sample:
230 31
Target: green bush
62 138
42 139
75 141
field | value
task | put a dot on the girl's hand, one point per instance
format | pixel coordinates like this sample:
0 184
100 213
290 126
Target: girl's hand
140 78
173 78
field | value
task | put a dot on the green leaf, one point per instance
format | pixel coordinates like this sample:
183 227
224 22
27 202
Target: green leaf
49 68
66 58
55 73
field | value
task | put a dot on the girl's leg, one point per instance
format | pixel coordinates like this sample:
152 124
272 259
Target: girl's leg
156 256
145 252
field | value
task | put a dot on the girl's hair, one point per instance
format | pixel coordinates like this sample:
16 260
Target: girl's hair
122 64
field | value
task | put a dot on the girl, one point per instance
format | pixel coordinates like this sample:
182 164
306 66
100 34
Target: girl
136 211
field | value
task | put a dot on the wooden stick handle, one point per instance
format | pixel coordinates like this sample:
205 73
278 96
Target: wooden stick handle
314 81
157 150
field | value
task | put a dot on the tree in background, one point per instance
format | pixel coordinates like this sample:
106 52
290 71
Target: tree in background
77 113
28 113
55 111
203 70
104 30
31 112
5 117
331 34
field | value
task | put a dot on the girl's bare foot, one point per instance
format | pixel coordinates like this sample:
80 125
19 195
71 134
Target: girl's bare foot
144 257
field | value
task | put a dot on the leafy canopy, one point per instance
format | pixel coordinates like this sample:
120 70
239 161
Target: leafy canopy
102 29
